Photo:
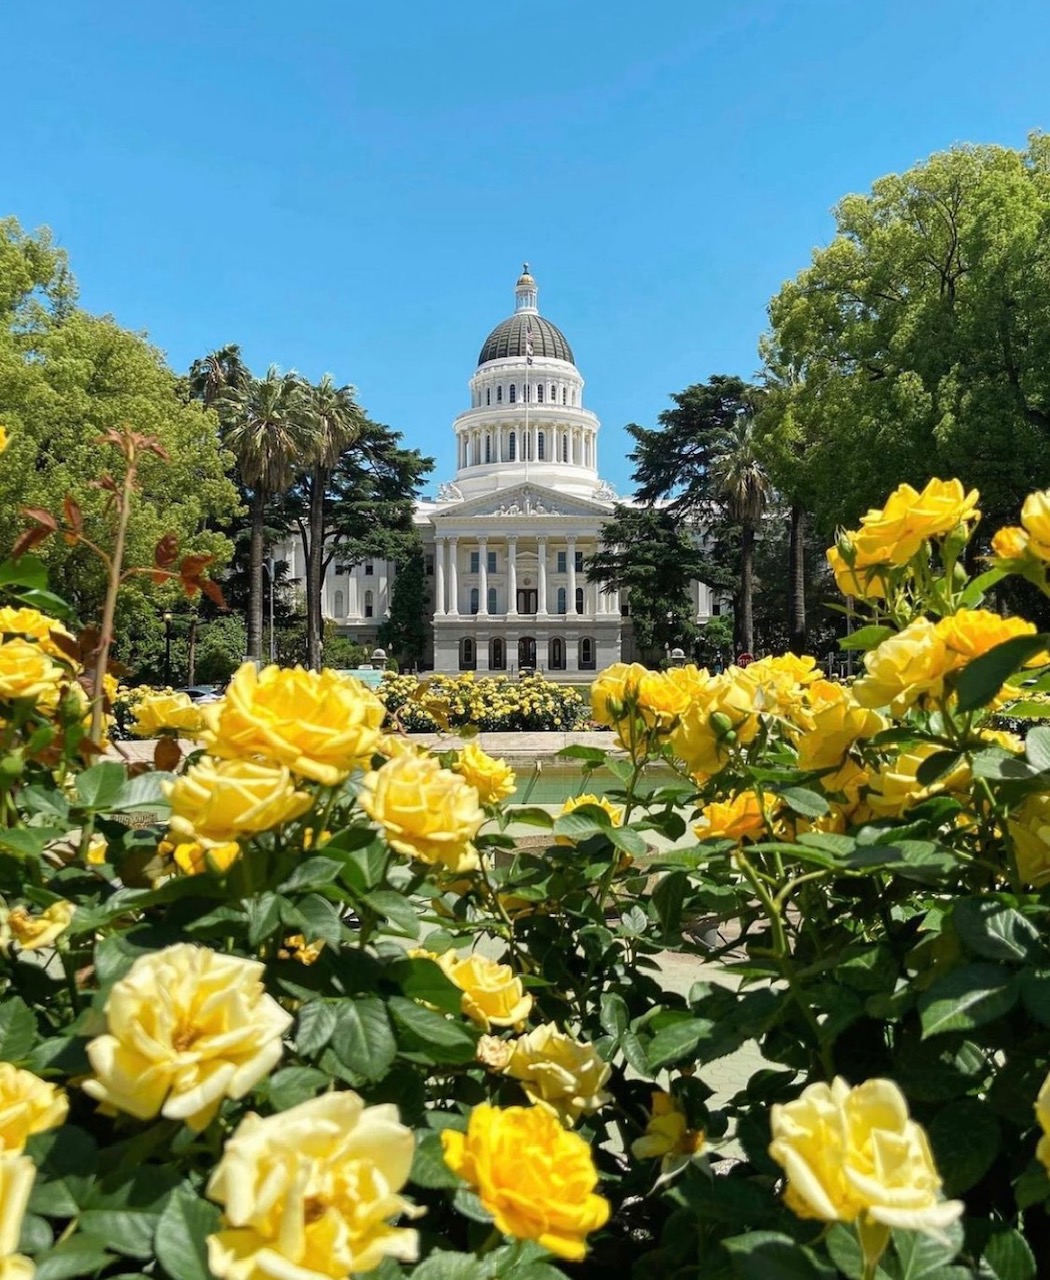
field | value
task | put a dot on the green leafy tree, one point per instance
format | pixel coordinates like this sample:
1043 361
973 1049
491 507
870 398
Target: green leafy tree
404 632
740 480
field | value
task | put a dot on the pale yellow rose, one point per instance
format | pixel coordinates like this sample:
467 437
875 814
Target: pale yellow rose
426 812
742 817
187 1027
31 624
32 932
838 721
536 1178
493 780
28 1105
218 801
895 787
854 1155
16 1182
320 724
311 1192
906 668
167 712
667 1133
493 995
27 671
557 1072
1035 516
1042 1115
1030 830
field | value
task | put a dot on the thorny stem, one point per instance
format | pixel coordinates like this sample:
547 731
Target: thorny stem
112 590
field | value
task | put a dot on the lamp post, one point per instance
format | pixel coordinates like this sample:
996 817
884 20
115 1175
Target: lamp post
269 565
167 648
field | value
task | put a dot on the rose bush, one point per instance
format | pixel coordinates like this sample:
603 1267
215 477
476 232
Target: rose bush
301 1005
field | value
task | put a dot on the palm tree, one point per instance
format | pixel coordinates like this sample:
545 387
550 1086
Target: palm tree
215 375
264 432
741 481
332 421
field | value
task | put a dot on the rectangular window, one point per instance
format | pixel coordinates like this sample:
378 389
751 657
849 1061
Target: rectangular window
369 569
474 561
492 562
430 566
579 562
561 562
340 570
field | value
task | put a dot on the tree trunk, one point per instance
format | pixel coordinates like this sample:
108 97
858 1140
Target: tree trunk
315 569
797 581
745 629
255 575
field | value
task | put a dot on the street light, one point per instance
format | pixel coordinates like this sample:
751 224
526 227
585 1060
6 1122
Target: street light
269 565
167 648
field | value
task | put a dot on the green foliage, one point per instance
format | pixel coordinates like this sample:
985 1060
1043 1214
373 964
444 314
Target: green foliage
404 632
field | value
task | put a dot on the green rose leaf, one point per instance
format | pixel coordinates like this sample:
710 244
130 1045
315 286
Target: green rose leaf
362 1037
994 932
431 1034
768 1255
17 1029
967 997
182 1232
982 679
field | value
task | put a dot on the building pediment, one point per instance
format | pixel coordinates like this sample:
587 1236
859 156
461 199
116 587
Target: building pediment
531 500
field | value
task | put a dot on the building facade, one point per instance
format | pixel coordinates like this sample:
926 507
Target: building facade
506 539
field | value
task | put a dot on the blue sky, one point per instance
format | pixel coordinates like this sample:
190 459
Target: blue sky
352 187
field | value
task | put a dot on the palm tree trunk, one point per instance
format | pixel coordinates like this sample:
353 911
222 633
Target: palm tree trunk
315 568
255 574
797 580
746 628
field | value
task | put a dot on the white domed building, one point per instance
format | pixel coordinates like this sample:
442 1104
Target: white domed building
505 541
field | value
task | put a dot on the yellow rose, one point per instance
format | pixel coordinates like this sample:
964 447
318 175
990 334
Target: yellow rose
741 818
33 932
895 787
427 812
28 1105
96 851
1035 516
1042 1114
615 811
311 1192
187 1027
971 632
297 948
667 1133
492 993
854 1155
536 1179
720 714
31 624
219 800
5 439
559 1073
1030 830
897 531
837 722
1010 543
613 696
320 724
27 671
16 1182
195 857
904 669
176 712
492 779
865 581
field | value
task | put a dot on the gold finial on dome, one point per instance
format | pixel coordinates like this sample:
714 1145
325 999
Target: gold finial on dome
526 275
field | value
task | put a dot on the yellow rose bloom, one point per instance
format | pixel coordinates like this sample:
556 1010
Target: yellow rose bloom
493 780
895 787
195 857
667 1133
319 724
297 948
98 845
174 712
837 722
904 669
615 811
187 1027
31 624
740 818
536 1179
426 812
1042 1115
854 1155
310 1193
32 932
613 695
5 439
28 1105
972 632
492 993
865 581
16 1182
721 711
1010 543
220 800
1035 516
27 671
564 1075
1029 829
897 531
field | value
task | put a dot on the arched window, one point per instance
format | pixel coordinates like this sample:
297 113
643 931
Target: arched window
513 393
488 395
340 612
565 448
369 604
564 395
499 395
554 394
539 394
492 600
556 654
488 448
466 654
587 654
541 444
473 599
561 599
497 655
512 446
579 599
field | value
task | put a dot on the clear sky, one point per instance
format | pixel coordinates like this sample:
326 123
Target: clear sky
350 187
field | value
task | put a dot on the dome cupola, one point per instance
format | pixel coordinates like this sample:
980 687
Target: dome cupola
511 337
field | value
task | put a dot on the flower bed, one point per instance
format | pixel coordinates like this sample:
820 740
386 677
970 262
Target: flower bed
308 1025
492 704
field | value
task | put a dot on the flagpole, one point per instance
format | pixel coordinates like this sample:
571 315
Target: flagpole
527 442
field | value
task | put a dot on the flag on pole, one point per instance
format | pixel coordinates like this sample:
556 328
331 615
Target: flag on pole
528 342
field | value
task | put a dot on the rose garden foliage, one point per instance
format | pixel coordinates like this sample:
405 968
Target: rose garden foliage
299 1006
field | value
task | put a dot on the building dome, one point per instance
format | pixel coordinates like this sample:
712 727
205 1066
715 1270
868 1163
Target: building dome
509 339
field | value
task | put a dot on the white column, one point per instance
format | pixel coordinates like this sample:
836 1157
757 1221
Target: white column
570 565
453 577
541 547
512 575
483 576
439 577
